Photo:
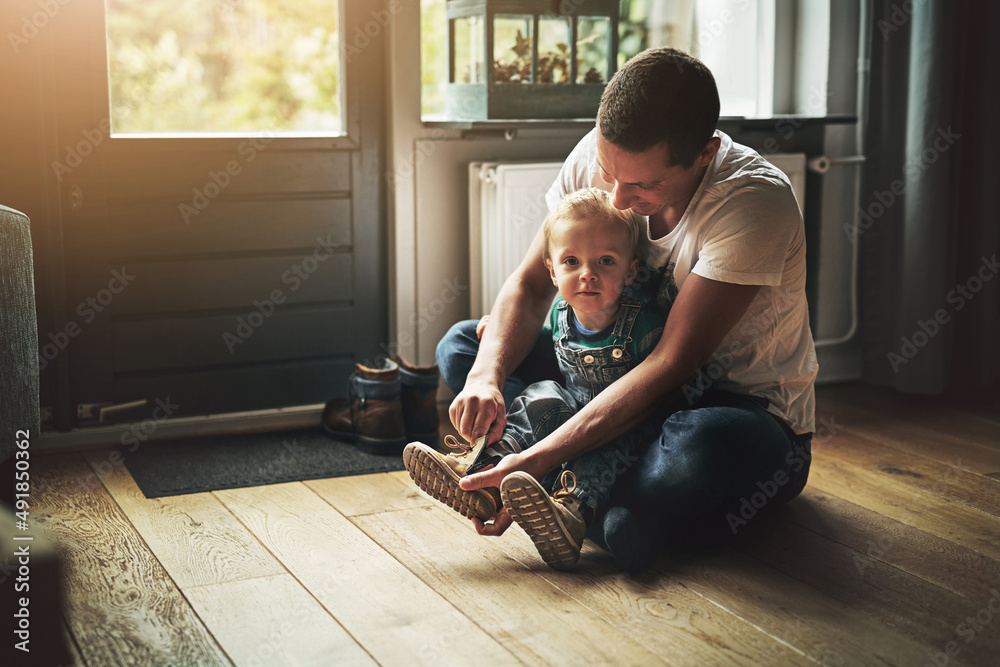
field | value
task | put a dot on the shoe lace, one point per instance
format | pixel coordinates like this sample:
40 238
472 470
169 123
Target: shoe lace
568 481
451 442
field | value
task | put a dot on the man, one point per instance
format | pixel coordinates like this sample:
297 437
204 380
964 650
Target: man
727 257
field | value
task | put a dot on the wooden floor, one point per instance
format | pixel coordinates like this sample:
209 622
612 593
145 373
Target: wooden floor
891 556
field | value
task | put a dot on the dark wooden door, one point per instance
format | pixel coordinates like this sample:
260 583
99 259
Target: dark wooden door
226 273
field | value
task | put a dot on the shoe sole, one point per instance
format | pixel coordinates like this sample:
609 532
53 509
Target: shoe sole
533 509
440 482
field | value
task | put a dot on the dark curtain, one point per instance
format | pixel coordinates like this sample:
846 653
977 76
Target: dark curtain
929 222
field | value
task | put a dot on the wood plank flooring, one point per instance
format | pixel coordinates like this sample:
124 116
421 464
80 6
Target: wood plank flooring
891 556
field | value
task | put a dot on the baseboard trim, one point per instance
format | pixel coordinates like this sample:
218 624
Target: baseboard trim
256 421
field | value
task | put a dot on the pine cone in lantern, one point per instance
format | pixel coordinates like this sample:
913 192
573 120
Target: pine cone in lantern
501 71
544 69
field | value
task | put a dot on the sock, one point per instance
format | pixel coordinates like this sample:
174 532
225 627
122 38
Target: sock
492 454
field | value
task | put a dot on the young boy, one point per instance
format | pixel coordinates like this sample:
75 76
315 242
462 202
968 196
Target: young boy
592 251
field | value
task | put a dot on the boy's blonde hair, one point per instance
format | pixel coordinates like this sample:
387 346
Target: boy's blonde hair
594 203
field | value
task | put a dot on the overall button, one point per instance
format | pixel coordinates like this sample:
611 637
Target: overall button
616 353
589 359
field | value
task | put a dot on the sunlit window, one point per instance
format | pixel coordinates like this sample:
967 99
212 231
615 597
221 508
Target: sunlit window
734 38
225 67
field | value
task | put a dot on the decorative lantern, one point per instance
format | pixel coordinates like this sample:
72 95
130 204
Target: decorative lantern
510 59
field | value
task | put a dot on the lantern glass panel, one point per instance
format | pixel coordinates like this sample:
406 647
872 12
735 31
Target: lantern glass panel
468 31
593 41
554 58
633 30
512 37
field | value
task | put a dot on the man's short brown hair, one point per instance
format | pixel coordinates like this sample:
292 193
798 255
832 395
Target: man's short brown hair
661 95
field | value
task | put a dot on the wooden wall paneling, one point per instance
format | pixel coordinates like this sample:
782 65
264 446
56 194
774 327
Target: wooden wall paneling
250 387
366 114
195 341
253 166
265 203
191 285
158 229
81 105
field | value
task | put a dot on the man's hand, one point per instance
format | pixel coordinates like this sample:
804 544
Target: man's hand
479 410
492 477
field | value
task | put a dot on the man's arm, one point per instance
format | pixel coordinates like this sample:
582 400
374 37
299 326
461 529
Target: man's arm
515 322
704 312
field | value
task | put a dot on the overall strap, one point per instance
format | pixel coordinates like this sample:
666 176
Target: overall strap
562 320
627 313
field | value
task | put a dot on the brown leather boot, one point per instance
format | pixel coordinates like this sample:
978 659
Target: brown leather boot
372 415
419 398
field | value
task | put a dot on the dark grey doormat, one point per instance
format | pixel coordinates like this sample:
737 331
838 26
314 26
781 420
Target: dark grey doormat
192 465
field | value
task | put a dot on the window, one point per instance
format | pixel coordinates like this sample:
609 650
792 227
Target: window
227 67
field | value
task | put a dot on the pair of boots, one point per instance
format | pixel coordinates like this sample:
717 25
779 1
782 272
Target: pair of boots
388 405
555 523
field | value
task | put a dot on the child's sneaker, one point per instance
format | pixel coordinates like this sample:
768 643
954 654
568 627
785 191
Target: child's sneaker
554 523
438 475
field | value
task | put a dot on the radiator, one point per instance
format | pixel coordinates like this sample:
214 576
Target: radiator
507 206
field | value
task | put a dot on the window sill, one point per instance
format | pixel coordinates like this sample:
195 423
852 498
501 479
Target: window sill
513 124
726 123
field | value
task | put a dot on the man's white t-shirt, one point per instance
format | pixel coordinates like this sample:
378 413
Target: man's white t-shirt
742 226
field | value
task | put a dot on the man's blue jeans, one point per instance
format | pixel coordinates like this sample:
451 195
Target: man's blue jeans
719 462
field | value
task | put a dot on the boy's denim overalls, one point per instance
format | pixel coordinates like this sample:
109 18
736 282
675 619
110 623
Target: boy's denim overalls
545 406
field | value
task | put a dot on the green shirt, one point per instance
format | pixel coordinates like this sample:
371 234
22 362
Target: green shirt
645 332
